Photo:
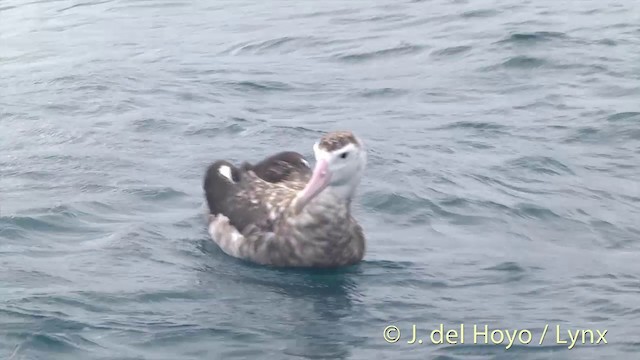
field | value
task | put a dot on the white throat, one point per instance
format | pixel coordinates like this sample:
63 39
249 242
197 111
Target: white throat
344 191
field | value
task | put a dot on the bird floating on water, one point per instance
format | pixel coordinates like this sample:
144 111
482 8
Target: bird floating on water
281 213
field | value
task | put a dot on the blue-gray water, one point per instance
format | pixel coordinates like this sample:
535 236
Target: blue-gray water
502 186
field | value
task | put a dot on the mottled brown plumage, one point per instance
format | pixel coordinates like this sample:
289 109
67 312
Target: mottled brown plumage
337 140
272 213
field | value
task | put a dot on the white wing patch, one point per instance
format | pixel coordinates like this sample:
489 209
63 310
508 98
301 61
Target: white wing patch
225 171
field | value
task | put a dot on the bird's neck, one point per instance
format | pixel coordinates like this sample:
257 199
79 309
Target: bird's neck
342 193
331 204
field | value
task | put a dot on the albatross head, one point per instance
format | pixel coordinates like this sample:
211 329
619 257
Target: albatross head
340 161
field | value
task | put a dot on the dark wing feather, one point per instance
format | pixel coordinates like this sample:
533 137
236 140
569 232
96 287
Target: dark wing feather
284 167
245 199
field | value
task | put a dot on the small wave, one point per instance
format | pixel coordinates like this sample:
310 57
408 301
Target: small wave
42 223
534 37
524 62
53 342
416 209
474 125
491 181
607 42
329 13
282 45
403 49
393 203
129 5
383 93
378 19
159 296
476 144
468 211
296 130
160 193
74 211
535 212
451 51
150 124
465 203
625 116
48 342
508 266
584 134
214 131
481 13
190 96
260 86
82 4
391 271
82 219
380 267
387 18
622 127
540 164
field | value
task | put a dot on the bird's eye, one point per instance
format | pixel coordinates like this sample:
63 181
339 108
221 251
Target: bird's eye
344 155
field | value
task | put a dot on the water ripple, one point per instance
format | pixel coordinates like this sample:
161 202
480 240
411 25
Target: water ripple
534 37
540 164
400 50
480 13
451 51
524 62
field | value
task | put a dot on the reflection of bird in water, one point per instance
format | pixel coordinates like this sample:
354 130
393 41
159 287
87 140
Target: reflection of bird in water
322 333
306 313
278 212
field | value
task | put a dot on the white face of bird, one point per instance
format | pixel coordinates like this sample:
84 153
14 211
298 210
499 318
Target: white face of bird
337 170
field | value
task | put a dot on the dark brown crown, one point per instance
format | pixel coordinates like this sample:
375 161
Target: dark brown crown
337 140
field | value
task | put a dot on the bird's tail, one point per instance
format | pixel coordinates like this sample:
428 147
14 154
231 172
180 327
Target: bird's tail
219 181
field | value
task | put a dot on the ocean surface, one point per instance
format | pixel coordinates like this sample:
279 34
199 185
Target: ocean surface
502 189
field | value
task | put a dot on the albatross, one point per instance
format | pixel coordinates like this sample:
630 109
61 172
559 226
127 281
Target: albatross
279 212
